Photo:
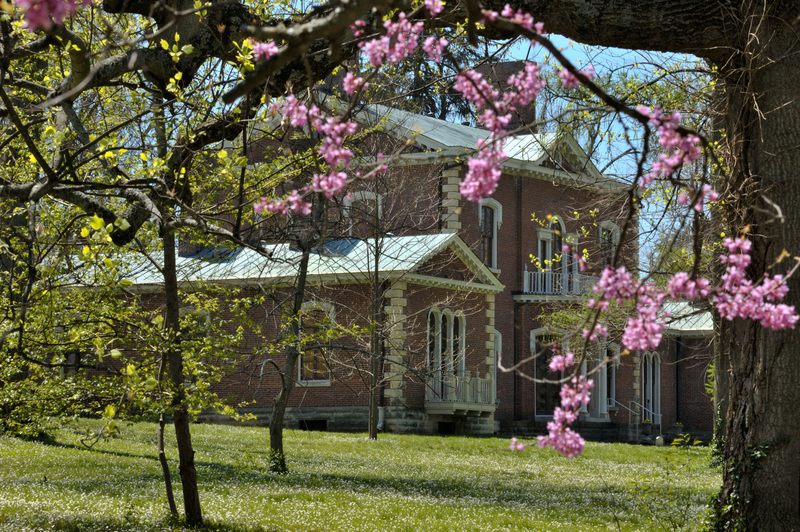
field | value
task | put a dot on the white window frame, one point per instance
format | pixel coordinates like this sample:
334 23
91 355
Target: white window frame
364 196
614 229
498 352
329 309
651 387
534 333
497 207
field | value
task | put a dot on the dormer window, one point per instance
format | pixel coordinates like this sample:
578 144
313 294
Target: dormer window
364 208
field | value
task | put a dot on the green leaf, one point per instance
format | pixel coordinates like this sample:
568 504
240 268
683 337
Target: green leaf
164 44
150 384
122 224
115 353
188 49
97 223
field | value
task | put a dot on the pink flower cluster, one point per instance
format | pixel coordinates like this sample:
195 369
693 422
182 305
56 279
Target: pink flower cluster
574 394
705 193
679 149
484 167
516 445
332 151
434 48
570 80
264 50
399 42
434 7
736 297
42 14
352 83
740 298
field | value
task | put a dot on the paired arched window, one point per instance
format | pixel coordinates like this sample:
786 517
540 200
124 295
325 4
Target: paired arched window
446 348
557 268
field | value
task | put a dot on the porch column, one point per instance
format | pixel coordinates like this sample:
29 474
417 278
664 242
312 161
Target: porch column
395 343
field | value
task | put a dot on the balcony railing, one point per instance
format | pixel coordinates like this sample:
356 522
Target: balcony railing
452 394
556 283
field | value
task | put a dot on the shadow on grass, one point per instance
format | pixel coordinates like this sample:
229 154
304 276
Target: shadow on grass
60 523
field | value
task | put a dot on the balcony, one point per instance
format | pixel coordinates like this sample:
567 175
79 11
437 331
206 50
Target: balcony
459 395
556 284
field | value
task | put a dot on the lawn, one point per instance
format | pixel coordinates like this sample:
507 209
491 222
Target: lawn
344 482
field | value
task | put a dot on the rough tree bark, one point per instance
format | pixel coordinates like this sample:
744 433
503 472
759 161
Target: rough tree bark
753 46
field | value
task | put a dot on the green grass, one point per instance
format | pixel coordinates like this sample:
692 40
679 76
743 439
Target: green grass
344 482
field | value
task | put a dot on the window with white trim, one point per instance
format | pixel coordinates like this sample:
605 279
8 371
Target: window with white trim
446 352
315 318
364 208
490 217
498 353
606 382
608 241
547 387
651 387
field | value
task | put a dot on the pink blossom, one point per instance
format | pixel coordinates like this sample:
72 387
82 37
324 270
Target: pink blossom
351 83
399 42
561 362
434 48
516 445
264 50
434 7
357 28
41 14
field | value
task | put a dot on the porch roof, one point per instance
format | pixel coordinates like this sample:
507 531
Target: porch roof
341 261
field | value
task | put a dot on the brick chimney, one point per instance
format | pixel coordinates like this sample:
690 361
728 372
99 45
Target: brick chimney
498 74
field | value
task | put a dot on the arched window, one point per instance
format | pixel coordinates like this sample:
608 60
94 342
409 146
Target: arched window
315 318
435 350
365 210
490 218
459 344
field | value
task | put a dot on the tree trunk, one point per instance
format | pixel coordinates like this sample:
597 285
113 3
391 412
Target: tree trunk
188 473
761 479
277 456
375 338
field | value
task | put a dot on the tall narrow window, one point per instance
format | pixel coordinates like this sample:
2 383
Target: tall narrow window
490 218
609 235
487 236
547 386
458 344
314 320
435 352
651 386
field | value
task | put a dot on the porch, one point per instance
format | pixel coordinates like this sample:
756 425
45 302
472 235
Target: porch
556 283
459 395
